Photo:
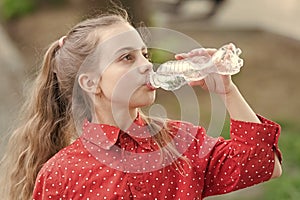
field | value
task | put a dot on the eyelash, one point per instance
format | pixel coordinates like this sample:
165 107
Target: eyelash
128 57
125 57
147 55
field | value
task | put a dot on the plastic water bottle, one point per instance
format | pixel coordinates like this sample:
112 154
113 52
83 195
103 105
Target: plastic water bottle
172 75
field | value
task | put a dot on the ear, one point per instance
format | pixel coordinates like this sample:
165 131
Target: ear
89 84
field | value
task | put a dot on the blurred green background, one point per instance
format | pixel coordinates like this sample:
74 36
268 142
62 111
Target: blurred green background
269 79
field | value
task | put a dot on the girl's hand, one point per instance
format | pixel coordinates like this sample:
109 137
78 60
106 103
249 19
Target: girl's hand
220 84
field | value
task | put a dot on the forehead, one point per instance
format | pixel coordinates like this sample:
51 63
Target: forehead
113 41
121 35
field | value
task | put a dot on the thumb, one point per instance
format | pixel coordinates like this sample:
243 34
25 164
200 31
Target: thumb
201 83
181 56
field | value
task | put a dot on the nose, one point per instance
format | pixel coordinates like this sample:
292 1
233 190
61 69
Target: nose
145 66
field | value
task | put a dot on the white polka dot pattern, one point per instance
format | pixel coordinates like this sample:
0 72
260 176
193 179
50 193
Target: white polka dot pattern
217 166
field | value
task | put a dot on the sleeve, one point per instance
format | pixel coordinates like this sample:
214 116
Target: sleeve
48 185
244 160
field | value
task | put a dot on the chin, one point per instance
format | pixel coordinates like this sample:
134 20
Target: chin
141 104
143 100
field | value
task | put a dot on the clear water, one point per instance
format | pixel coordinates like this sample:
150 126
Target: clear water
174 74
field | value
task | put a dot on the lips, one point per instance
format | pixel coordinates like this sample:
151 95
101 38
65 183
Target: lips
148 84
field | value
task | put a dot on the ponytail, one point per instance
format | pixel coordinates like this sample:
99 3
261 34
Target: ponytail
45 129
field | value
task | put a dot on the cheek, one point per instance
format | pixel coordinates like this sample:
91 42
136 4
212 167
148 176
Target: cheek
121 84
115 89
106 87
108 82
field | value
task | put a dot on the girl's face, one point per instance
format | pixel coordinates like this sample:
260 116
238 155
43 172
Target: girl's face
124 68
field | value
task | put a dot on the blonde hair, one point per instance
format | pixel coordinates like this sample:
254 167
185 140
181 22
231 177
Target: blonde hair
47 124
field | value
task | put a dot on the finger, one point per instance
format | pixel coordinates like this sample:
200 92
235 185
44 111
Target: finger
201 83
211 51
199 51
181 56
202 52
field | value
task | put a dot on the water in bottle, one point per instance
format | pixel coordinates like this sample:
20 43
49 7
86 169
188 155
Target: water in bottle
174 74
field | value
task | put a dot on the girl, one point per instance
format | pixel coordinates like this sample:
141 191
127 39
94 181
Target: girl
120 153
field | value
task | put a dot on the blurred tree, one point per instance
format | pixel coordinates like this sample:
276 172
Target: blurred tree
18 8
138 11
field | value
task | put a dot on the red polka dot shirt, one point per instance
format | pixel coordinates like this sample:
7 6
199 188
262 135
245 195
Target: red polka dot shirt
108 163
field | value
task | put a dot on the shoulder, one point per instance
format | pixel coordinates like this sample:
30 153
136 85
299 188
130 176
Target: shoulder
68 157
58 172
178 127
186 135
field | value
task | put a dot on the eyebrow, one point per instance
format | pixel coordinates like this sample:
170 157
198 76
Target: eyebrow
129 49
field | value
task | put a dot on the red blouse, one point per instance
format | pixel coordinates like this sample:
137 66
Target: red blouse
108 163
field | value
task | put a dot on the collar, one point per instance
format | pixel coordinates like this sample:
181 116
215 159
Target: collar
105 136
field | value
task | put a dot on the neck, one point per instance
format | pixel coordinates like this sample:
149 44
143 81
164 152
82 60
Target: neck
118 116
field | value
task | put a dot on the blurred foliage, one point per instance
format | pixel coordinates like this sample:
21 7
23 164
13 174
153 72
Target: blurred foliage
159 56
17 8
11 9
287 187
138 11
